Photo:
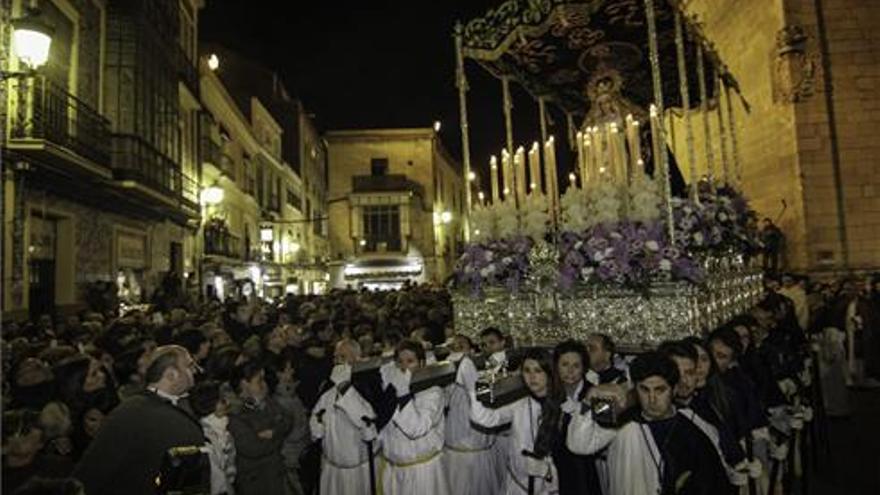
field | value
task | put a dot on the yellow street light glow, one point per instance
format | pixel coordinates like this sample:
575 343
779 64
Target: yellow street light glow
212 195
213 61
31 41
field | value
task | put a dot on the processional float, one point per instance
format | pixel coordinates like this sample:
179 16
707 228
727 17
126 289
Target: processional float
627 248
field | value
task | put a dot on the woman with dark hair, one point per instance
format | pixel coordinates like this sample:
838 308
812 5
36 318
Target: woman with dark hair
79 380
577 473
535 423
258 429
413 439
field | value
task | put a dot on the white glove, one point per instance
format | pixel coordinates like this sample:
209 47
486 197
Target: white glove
571 406
538 468
739 474
762 433
369 433
788 387
779 452
806 377
755 469
400 381
808 413
341 373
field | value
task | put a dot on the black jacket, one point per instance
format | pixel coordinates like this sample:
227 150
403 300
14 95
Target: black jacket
126 455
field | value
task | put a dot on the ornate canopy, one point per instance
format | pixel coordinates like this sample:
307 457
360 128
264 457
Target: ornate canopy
556 49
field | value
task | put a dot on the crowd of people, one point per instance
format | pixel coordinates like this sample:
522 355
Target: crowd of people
271 399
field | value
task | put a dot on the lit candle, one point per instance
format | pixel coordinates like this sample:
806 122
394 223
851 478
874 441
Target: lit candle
535 169
550 170
572 179
613 154
519 163
587 149
635 149
506 170
655 143
579 143
493 165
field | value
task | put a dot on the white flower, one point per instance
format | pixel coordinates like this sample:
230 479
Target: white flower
698 238
665 265
652 245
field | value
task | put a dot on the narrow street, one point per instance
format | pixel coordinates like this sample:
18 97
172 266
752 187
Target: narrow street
855 447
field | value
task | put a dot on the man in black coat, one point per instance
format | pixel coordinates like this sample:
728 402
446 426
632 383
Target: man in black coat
126 455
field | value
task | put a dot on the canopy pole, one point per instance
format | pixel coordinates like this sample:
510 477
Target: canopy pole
508 126
731 121
683 85
704 108
661 163
461 83
722 134
542 115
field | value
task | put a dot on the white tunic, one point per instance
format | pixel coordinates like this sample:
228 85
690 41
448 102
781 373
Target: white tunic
471 464
412 444
524 417
337 422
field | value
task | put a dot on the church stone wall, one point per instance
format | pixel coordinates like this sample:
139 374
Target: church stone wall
785 140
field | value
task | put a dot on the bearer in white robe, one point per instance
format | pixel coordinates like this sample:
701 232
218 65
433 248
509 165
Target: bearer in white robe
660 450
493 343
471 464
342 421
524 417
412 441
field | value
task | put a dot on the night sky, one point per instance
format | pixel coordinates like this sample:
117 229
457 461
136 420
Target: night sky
375 64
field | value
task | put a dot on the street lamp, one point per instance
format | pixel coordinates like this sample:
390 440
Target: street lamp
212 195
213 62
31 39
446 216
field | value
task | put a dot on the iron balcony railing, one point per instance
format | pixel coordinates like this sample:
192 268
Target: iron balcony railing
135 159
43 110
220 242
385 183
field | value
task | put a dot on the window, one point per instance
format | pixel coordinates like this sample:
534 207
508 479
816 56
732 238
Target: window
294 200
382 228
378 167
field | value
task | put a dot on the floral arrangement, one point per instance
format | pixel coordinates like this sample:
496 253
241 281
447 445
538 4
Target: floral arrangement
609 235
629 254
717 225
501 262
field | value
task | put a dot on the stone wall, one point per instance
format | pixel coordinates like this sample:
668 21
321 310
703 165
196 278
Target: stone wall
785 139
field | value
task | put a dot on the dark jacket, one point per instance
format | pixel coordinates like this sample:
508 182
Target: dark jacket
126 455
259 461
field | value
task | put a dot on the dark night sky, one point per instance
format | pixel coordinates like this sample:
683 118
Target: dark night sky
375 63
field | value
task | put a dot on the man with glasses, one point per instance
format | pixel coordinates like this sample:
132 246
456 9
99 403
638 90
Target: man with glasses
126 455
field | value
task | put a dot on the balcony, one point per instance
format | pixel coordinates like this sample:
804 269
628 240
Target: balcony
137 162
45 119
186 69
385 183
381 244
220 242
209 151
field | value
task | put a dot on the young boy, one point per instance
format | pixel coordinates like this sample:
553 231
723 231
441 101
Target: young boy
212 410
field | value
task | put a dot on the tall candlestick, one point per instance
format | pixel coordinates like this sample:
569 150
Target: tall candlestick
535 169
587 151
519 165
632 142
579 145
493 165
572 180
617 173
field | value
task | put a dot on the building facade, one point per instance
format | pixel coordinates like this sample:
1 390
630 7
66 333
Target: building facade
810 74
268 152
396 200
99 155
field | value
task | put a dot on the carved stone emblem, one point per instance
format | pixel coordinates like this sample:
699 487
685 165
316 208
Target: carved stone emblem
795 66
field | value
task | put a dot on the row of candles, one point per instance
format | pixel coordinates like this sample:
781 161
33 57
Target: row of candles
606 152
